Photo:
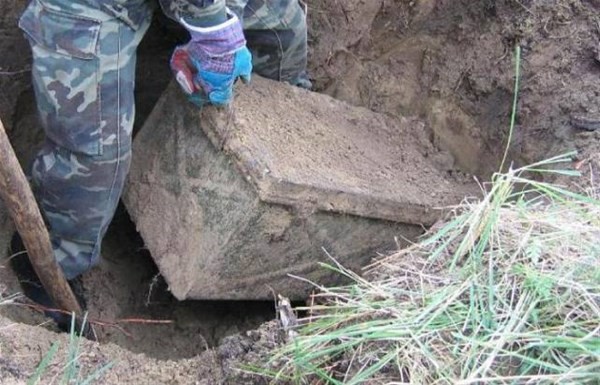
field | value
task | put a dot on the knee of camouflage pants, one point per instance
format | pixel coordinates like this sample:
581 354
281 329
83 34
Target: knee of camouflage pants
83 74
276 32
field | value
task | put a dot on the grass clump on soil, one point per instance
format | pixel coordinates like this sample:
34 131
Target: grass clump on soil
506 291
71 372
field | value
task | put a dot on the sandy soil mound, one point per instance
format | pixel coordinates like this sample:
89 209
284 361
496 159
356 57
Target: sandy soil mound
23 346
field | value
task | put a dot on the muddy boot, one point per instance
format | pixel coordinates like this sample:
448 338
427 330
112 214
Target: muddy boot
34 290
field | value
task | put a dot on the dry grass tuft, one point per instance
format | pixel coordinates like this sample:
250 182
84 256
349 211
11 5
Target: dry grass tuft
506 291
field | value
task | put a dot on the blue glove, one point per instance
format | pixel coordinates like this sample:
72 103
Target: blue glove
207 67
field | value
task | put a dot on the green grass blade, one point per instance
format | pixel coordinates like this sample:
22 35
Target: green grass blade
41 369
513 115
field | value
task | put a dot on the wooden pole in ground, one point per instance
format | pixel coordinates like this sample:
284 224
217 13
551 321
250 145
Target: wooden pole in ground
23 209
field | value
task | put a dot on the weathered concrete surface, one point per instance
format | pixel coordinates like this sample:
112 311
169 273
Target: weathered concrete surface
229 202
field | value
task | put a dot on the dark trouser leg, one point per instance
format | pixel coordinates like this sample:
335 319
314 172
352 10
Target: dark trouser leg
277 37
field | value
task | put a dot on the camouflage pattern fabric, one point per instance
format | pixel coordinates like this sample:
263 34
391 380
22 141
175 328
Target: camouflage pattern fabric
83 75
277 37
212 11
83 72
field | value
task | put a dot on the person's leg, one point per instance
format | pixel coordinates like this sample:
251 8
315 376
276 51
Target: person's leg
83 74
277 37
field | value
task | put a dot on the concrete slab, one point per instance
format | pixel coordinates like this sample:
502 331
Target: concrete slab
232 201
304 149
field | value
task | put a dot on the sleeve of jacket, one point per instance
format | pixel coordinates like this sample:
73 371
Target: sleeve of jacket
201 12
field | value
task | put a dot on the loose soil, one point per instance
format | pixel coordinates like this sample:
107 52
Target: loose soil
448 62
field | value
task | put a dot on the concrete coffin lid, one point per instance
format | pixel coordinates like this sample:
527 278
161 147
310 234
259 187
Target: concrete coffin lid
230 202
321 153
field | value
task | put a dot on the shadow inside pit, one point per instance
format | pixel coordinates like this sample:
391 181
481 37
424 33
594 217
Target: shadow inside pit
127 284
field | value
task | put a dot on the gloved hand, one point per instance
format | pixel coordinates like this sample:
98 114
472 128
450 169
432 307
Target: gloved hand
207 67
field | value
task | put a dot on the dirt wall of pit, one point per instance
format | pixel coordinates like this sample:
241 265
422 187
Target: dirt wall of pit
14 61
451 62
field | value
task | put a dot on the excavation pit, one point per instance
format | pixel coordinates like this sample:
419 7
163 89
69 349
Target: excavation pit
449 63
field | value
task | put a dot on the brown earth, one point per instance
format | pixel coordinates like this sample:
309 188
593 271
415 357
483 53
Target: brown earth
451 63
22 347
448 62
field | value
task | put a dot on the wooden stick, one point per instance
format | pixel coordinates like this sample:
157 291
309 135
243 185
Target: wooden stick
23 209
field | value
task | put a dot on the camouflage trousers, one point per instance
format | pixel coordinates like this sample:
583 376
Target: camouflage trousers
84 57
